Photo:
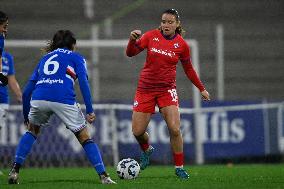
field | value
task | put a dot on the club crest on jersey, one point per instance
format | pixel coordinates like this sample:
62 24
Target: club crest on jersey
5 60
156 39
174 95
176 45
135 104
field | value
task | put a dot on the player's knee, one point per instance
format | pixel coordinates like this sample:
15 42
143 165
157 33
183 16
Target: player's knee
87 141
175 132
142 137
82 135
137 132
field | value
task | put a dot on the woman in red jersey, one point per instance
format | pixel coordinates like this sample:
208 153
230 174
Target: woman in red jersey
157 84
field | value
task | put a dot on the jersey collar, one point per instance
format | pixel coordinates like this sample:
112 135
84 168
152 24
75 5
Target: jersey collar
168 38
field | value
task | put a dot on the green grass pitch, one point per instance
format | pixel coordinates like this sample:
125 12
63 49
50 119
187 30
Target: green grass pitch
244 176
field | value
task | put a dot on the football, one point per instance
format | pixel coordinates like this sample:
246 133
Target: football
128 169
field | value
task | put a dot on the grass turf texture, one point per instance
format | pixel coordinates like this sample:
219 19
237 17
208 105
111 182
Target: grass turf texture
256 176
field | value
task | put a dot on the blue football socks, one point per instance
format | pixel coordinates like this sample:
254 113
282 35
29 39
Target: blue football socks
24 147
94 155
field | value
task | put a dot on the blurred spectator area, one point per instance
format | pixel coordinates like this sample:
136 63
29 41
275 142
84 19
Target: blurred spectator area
254 41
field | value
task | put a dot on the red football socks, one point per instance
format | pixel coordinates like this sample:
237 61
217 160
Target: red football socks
178 159
144 146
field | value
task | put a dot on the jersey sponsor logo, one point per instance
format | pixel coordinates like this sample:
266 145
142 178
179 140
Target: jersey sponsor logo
163 52
50 81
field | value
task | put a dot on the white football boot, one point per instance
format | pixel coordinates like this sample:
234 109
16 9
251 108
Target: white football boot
105 179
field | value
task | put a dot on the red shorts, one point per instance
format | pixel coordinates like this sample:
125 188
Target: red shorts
146 101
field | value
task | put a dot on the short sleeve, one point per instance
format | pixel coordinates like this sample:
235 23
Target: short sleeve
11 64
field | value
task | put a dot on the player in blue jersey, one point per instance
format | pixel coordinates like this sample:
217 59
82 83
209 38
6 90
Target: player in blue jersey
9 71
49 91
3 33
6 73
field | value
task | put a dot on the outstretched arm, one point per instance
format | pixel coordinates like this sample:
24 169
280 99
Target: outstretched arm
193 77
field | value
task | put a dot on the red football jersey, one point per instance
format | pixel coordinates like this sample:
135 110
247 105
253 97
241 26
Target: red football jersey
163 54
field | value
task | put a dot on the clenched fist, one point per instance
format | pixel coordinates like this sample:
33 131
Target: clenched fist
90 117
135 34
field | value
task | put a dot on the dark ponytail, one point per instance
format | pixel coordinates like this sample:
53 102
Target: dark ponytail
61 39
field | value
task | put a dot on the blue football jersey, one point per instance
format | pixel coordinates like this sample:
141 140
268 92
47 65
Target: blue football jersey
7 69
55 76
